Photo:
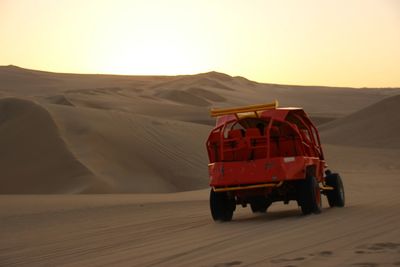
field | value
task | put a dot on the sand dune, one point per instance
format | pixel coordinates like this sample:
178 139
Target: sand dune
59 100
34 158
375 126
75 150
138 133
136 153
211 79
183 97
207 94
195 96
235 90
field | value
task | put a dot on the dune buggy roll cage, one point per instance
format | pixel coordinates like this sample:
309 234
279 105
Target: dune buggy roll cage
270 115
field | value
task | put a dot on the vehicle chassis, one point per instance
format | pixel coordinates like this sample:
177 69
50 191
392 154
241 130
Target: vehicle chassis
262 154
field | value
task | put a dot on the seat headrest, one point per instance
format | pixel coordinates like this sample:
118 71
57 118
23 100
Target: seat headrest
274 132
237 133
253 132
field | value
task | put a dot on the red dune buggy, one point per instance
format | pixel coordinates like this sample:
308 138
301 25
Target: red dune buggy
261 154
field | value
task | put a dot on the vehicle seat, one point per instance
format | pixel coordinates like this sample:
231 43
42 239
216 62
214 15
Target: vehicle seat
274 141
236 148
214 146
257 142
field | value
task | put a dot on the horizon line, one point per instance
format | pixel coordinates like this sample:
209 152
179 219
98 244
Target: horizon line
194 74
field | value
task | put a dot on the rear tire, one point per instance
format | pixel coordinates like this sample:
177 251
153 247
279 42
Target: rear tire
310 196
259 205
336 197
221 206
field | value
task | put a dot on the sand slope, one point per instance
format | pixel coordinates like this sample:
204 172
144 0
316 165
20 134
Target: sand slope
34 158
136 153
375 126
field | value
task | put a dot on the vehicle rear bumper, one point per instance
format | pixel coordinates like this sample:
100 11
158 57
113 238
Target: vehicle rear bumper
260 171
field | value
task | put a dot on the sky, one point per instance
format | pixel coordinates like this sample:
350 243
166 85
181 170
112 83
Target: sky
310 42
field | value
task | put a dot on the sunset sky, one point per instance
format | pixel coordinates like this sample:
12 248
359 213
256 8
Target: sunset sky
308 42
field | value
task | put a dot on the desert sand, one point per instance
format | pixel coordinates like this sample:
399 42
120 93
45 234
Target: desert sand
134 146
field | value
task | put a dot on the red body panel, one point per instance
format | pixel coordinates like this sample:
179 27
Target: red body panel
224 174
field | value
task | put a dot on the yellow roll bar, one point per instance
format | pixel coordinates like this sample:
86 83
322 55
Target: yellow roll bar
244 109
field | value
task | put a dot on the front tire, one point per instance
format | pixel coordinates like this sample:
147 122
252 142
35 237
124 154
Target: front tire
221 206
336 196
310 196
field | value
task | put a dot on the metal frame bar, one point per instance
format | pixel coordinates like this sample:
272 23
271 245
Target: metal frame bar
236 188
